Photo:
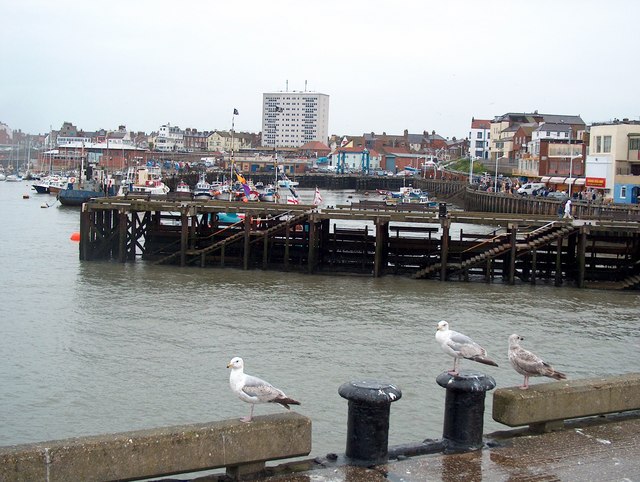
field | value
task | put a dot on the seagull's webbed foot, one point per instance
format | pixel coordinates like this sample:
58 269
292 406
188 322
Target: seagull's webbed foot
453 372
523 387
246 419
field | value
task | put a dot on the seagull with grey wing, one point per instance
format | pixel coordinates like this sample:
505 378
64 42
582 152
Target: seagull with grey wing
253 389
460 346
529 364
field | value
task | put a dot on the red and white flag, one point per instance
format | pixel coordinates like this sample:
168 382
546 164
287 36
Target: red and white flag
292 200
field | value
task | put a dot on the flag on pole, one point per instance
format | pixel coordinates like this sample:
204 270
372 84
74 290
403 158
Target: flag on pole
292 200
317 199
235 112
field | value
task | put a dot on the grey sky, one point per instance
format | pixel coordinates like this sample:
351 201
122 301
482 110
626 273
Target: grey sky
387 66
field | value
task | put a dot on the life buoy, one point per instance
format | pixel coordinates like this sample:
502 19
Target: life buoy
72 180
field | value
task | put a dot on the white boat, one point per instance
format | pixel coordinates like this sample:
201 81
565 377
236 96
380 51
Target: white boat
183 187
58 183
269 194
287 183
143 180
13 178
202 189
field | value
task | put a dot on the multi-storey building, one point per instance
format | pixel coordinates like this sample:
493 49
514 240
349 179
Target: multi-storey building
195 140
613 160
224 141
170 138
291 119
479 136
502 145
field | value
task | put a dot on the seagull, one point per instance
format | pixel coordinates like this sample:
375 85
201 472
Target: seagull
529 364
459 346
254 390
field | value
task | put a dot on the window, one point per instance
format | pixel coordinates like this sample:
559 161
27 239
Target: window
623 192
598 144
606 147
634 144
479 136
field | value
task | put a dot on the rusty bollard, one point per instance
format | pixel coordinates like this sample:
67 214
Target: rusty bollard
368 419
464 409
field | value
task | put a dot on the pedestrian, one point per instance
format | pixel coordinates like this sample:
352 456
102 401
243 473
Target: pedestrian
567 209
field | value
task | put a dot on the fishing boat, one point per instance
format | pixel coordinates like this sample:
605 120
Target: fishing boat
81 190
58 183
143 180
77 196
269 194
183 187
203 190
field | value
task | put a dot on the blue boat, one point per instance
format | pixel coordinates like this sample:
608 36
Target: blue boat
77 197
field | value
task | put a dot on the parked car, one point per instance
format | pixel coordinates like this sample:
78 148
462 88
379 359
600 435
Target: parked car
558 195
531 188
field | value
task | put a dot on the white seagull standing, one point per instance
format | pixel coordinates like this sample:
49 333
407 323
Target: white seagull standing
529 364
459 346
254 390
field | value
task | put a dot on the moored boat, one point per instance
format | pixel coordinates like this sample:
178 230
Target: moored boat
202 191
143 180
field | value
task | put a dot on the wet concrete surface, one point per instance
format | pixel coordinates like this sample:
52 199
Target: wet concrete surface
605 449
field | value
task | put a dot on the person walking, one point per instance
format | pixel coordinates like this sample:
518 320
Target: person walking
567 209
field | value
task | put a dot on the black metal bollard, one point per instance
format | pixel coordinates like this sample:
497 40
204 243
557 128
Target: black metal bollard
464 409
368 419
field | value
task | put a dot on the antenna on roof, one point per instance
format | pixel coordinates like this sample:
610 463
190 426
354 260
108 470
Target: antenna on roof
305 85
287 89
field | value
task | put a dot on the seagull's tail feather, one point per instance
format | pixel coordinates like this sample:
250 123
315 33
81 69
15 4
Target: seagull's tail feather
286 401
484 360
551 373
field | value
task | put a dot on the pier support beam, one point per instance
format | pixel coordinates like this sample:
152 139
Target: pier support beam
513 236
247 242
558 278
122 238
313 244
444 252
184 236
581 254
382 242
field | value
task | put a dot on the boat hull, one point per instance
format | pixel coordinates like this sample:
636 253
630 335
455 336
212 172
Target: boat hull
77 197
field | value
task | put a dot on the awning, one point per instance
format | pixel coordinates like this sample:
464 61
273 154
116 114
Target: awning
579 181
545 178
557 180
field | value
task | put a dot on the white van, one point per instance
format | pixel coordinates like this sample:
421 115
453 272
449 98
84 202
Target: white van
531 188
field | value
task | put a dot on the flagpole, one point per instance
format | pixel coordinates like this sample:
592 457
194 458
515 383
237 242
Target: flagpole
233 117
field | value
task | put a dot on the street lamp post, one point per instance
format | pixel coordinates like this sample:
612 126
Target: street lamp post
470 169
495 188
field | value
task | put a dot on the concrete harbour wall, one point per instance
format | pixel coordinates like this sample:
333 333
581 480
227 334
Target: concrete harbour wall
241 447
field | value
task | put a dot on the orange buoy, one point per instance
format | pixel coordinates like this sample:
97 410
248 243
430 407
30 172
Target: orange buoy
75 236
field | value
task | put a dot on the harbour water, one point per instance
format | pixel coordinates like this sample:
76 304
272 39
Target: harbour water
97 347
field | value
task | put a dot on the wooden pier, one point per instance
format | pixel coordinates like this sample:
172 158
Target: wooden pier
406 240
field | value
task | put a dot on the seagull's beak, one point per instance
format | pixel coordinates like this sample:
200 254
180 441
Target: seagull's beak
228 365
